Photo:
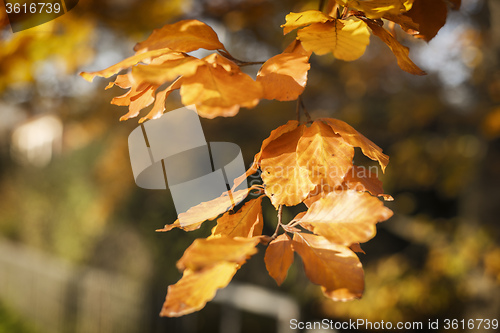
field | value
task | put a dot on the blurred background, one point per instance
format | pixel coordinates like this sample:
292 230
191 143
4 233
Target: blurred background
78 251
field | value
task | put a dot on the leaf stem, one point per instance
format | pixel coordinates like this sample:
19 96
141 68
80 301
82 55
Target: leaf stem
280 215
240 63
321 5
308 116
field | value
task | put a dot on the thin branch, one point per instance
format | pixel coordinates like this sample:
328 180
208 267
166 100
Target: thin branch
280 215
240 63
321 5
308 116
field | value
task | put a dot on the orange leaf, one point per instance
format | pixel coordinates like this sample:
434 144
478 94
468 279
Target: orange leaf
375 9
336 268
284 76
324 154
195 216
159 106
205 253
356 139
166 71
219 88
195 289
362 179
279 257
247 222
286 183
401 52
345 217
183 36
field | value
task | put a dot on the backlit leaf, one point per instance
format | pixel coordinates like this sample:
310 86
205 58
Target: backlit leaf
356 139
159 106
345 217
207 252
219 88
246 222
297 20
183 36
401 52
167 71
279 257
335 267
284 76
346 39
362 179
195 289
375 9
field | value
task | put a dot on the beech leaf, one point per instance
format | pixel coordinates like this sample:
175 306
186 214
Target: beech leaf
335 267
375 9
297 20
362 179
279 258
246 222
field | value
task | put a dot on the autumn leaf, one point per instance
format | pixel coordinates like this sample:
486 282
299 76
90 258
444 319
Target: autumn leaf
324 154
297 20
401 52
345 217
246 222
204 253
167 71
195 289
183 36
159 105
345 39
362 179
195 216
334 267
220 88
279 258
356 139
284 76
376 9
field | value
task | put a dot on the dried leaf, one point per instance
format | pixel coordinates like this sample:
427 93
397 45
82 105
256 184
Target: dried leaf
208 252
159 106
284 76
246 222
376 9
279 258
220 88
183 36
297 20
345 217
324 154
195 289
401 52
346 39
336 268
362 179
356 139
195 216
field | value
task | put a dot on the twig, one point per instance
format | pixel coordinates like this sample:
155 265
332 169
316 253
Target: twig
280 215
240 63
308 116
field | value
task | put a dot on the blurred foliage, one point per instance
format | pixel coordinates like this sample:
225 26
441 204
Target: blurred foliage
10 322
438 257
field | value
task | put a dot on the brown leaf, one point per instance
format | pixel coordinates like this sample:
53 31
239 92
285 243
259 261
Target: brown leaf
220 88
362 179
357 248
279 258
336 268
195 216
284 76
345 217
356 139
401 52
195 289
324 154
183 36
205 253
247 222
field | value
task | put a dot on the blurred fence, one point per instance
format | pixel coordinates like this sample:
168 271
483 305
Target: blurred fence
59 297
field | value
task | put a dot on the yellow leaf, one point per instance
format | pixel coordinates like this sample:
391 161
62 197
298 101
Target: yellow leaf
324 154
195 216
345 217
279 257
284 76
401 52
220 88
356 139
205 253
375 9
195 289
346 39
247 222
297 20
183 36
336 268
166 71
